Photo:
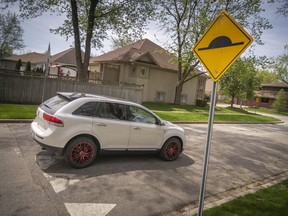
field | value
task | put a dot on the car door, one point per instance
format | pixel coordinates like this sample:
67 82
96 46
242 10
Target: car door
145 133
111 126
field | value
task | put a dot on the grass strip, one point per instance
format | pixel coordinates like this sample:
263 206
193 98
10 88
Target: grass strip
16 111
265 202
169 112
203 117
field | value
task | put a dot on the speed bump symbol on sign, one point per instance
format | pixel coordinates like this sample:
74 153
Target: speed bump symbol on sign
221 45
221 42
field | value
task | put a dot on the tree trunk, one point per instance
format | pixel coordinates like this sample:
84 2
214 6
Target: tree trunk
82 65
81 74
232 101
178 92
89 34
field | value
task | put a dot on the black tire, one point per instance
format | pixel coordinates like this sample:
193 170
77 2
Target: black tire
81 152
171 149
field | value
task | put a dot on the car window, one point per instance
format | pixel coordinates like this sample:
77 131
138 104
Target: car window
87 109
111 111
141 115
53 104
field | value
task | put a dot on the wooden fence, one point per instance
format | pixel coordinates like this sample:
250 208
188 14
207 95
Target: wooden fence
31 89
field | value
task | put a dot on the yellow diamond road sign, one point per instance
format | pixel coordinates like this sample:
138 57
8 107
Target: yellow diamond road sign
221 45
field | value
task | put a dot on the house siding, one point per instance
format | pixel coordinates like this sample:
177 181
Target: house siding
160 81
190 89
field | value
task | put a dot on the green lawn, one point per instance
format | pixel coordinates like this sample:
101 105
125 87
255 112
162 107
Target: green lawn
271 201
187 113
16 111
169 112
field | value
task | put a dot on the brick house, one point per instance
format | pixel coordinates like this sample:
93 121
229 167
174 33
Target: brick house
266 95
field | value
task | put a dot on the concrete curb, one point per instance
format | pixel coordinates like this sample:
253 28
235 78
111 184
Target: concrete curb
174 122
183 122
231 194
16 120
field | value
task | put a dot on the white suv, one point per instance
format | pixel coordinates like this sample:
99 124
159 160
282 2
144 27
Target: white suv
80 125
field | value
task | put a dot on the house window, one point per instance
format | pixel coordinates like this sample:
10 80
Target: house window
160 96
133 72
183 99
264 100
143 72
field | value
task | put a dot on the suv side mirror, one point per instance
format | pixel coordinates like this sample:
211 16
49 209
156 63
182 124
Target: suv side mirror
159 122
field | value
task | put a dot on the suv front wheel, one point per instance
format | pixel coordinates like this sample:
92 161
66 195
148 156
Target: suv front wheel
171 149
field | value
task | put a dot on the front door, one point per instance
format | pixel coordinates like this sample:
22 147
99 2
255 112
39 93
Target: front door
110 126
145 133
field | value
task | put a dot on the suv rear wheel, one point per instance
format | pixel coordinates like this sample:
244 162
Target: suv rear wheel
81 152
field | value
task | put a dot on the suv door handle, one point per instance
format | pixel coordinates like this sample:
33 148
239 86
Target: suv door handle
101 124
136 128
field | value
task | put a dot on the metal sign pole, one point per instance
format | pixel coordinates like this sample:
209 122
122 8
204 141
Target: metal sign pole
207 150
47 64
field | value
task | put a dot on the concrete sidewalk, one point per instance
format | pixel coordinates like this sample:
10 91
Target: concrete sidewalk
231 194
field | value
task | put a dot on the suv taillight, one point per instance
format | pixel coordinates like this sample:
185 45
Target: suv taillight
52 119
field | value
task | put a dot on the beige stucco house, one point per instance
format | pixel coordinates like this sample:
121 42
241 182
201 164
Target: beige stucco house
147 65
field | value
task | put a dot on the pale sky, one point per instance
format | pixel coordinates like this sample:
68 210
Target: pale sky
37 35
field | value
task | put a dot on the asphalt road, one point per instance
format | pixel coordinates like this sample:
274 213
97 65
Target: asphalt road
34 182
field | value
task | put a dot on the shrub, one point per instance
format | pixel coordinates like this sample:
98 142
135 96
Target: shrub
28 66
18 65
280 104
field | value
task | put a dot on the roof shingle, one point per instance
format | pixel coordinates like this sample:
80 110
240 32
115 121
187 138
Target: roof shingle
133 52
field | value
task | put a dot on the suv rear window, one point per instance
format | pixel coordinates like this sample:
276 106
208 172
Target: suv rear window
53 104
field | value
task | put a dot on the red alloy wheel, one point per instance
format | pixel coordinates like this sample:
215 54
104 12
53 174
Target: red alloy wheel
82 153
172 150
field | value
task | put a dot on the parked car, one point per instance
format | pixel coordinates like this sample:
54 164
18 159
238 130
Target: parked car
81 125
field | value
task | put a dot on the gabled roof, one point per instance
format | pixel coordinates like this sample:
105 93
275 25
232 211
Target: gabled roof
32 57
278 84
138 52
65 57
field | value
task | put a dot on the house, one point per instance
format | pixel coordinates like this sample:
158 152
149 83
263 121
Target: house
67 57
36 60
266 95
146 64
39 60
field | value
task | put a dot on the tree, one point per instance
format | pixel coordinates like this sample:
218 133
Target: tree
28 66
283 9
280 104
121 42
240 81
281 66
184 21
18 65
266 76
90 21
11 33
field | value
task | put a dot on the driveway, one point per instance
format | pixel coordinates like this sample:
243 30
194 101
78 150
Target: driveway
38 183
